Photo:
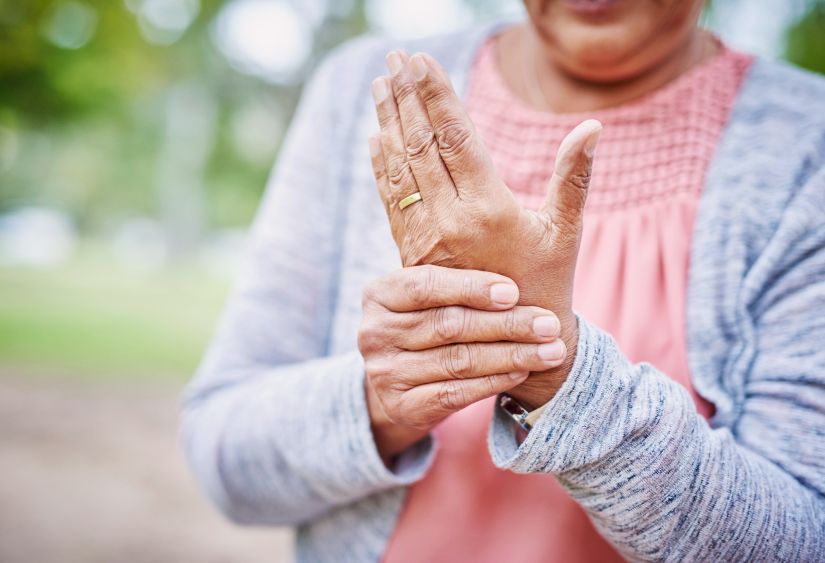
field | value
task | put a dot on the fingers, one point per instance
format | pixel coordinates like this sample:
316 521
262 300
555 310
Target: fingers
449 325
401 182
424 287
421 149
440 399
571 175
471 360
379 170
419 388
462 151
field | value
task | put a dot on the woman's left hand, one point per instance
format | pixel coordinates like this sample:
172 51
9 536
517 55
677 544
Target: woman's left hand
467 216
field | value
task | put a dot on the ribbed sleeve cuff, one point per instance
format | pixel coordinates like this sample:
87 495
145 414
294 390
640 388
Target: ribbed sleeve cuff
567 433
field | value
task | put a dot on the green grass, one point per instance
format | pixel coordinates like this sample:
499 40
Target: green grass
92 320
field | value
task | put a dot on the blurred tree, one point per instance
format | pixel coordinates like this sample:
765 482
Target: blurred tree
86 98
105 116
806 39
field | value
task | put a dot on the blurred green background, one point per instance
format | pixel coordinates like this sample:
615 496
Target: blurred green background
136 137
135 141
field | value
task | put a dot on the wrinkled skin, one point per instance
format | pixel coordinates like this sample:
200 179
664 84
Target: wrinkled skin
468 217
435 340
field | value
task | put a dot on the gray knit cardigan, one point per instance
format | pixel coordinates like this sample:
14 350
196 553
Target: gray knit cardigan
275 425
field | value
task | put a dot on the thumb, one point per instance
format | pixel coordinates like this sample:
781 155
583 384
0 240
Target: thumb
571 174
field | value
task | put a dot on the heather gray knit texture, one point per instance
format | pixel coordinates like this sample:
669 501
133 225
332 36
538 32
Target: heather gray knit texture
275 425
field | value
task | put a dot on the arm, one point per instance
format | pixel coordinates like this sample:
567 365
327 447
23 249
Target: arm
659 483
625 439
276 431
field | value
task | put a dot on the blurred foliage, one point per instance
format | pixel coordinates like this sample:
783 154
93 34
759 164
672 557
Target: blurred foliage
84 126
85 118
806 39
89 121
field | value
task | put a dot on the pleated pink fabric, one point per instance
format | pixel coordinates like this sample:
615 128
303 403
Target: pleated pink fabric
631 280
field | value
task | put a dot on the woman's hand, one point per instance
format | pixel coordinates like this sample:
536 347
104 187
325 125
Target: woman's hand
435 340
468 217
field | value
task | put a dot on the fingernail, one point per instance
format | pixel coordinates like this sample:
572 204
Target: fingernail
418 66
375 145
518 375
546 326
503 293
593 139
551 351
379 89
394 63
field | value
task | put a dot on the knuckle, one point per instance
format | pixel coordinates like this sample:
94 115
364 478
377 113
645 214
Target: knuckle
436 93
456 232
377 371
379 171
403 89
453 138
490 383
369 336
419 141
458 361
395 409
449 323
488 215
482 216
579 180
398 169
521 355
451 395
448 229
420 288
512 325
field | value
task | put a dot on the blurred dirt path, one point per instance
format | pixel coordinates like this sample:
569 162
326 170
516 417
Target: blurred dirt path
91 472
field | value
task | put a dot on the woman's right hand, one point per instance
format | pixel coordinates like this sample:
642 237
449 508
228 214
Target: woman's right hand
435 340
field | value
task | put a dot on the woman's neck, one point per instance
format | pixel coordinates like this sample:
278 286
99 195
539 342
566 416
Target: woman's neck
544 85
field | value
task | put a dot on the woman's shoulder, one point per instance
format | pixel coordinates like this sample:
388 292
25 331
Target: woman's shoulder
777 126
783 91
768 171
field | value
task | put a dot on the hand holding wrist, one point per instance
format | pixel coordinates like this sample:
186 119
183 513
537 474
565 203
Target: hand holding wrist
465 216
435 340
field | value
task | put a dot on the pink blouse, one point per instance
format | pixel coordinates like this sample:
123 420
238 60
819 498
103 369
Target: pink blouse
631 281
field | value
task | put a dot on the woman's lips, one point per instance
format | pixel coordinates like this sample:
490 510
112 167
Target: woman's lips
591 6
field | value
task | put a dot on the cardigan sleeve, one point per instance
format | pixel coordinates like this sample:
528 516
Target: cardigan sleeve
275 429
657 481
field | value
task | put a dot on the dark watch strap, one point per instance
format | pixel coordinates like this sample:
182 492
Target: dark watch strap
515 410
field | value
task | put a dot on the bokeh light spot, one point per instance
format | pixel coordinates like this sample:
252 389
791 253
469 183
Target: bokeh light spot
265 38
70 25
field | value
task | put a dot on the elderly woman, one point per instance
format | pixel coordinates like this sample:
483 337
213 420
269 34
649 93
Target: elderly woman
483 403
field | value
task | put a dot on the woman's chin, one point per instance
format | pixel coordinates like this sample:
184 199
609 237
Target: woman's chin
606 58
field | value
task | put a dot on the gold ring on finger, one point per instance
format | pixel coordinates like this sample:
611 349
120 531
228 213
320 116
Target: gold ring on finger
409 200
